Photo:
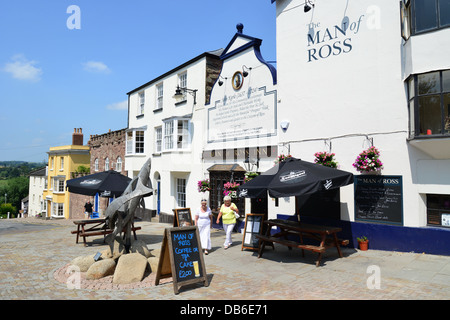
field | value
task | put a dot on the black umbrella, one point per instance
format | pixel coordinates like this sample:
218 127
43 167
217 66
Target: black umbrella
294 177
107 184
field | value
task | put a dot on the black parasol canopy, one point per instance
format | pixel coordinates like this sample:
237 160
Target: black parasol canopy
294 177
107 183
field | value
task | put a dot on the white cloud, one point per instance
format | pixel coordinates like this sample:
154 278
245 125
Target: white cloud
96 67
123 105
23 69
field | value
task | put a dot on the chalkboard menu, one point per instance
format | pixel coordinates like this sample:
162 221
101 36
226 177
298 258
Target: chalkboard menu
181 258
182 217
253 226
379 199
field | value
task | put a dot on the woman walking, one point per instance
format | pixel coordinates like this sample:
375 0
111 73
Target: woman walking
227 212
203 220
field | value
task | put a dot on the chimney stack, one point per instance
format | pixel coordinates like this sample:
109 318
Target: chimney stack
77 137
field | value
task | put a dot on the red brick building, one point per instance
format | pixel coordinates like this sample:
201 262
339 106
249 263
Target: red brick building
107 153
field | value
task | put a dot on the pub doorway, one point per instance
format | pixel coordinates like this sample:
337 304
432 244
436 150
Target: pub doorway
220 174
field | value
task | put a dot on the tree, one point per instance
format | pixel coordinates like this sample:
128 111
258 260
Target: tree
17 189
5 208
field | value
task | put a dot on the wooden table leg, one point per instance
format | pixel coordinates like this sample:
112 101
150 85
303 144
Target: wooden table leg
322 244
84 236
301 241
78 232
336 243
262 243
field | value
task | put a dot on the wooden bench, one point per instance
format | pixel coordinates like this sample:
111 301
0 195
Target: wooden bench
99 228
291 244
325 235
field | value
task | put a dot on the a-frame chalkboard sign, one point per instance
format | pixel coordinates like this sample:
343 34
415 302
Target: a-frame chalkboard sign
253 226
181 258
182 217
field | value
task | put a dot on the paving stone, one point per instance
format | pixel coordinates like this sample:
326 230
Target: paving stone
280 274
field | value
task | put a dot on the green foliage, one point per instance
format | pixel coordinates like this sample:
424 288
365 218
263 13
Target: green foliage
362 239
16 189
83 169
14 169
5 208
14 180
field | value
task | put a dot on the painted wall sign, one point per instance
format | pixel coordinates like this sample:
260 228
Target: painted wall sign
243 115
379 199
330 41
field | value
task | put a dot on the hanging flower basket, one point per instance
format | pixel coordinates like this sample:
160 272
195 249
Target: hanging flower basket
250 175
281 158
368 161
326 159
203 185
230 189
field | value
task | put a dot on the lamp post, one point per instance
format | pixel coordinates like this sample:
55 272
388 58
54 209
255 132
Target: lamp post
179 93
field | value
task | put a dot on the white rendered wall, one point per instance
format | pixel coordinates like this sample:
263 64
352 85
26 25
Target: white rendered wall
357 91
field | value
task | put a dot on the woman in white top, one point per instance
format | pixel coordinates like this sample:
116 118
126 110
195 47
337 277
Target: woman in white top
203 220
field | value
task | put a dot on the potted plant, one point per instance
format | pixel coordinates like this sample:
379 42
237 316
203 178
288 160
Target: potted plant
326 159
363 243
368 161
203 185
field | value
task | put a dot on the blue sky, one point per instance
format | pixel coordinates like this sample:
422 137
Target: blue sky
54 78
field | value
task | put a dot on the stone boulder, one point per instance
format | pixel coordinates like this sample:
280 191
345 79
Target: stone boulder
140 246
153 262
83 262
130 268
118 249
100 269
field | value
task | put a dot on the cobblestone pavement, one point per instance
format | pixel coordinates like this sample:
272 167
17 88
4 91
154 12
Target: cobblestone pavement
30 258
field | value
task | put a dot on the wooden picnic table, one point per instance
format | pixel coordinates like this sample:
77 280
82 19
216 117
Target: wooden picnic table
327 236
96 227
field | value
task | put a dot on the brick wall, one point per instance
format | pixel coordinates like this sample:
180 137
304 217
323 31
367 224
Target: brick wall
109 145
77 202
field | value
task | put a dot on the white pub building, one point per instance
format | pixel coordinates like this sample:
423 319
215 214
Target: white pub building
224 125
352 74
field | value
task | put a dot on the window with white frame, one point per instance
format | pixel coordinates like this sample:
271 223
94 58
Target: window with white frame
43 206
141 103
139 139
119 164
176 134
62 164
129 142
159 96
182 82
58 209
135 142
107 164
96 164
168 135
181 193
158 139
183 134
58 184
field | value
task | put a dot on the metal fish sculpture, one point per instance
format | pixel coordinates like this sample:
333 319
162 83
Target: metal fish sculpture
120 213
